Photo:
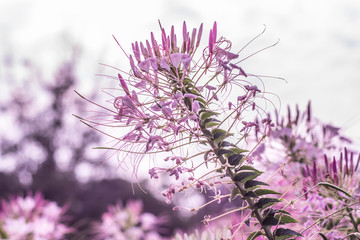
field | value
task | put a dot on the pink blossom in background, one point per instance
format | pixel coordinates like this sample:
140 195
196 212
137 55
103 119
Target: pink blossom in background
32 217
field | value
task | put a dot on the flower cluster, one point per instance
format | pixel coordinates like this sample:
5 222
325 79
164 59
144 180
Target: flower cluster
314 160
180 105
30 218
195 111
128 223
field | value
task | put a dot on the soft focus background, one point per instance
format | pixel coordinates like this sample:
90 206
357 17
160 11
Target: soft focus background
318 53
50 48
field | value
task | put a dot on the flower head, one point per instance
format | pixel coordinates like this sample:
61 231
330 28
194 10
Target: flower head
22 217
128 222
194 108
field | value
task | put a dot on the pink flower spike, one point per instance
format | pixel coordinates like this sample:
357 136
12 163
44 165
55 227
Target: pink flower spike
144 51
173 38
136 50
155 45
185 33
214 31
211 42
149 49
134 69
199 35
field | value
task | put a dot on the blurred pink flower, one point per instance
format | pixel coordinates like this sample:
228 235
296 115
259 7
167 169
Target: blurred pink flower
32 217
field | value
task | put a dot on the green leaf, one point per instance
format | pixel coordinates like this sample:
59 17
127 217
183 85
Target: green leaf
243 177
207 114
234 192
219 131
254 235
246 167
252 184
261 192
235 159
218 137
266 202
200 100
335 187
251 194
284 233
270 221
238 150
286 219
211 124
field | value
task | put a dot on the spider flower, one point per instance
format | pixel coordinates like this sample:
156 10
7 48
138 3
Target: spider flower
32 217
128 222
194 107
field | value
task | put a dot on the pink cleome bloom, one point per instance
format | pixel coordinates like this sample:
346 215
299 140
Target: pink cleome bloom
128 222
32 216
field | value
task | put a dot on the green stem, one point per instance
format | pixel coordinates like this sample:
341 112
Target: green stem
243 191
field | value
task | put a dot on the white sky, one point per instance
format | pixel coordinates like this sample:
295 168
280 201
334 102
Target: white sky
318 53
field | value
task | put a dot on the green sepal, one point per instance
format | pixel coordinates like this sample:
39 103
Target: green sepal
261 192
243 177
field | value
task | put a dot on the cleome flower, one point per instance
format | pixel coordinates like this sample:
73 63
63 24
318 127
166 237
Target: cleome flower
30 218
128 223
194 108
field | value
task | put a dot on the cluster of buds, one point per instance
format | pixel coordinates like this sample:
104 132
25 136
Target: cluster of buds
30 218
